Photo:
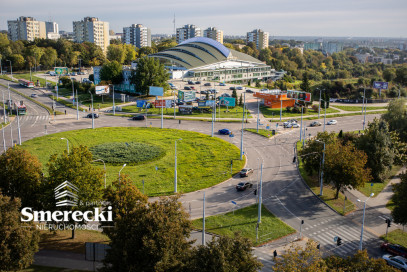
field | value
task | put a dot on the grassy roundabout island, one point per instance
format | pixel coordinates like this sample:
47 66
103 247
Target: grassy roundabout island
149 153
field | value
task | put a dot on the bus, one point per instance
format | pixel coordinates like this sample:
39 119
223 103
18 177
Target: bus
20 107
26 83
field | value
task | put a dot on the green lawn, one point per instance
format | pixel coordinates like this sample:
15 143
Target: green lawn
275 113
85 100
263 132
244 221
329 117
378 187
235 112
34 78
358 108
396 237
328 193
203 161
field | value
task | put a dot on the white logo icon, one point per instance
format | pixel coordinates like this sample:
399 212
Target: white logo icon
69 197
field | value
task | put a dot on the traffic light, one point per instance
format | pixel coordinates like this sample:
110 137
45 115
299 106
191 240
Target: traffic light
388 221
339 241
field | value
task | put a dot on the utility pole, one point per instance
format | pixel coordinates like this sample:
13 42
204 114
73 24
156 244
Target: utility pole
260 194
4 140
302 109
241 138
18 127
281 107
203 221
114 108
258 114
77 105
319 108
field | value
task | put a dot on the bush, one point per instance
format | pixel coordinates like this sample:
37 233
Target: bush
288 109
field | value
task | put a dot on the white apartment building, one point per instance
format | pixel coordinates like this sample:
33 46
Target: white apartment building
259 37
26 28
90 29
137 35
52 30
214 34
187 32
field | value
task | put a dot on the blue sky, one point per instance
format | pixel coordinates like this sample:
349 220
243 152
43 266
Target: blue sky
348 18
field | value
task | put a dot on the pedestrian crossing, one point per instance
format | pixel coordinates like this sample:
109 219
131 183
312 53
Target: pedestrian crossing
34 117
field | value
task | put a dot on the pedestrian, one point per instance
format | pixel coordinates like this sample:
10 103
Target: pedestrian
65 112
275 254
89 108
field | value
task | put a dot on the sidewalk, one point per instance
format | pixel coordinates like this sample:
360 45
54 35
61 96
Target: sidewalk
65 259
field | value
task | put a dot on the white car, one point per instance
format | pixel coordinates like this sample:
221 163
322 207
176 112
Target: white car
332 122
291 125
396 261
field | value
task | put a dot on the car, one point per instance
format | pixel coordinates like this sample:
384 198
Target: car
203 92
85 80
232 88
180 103
187 88
73 79
245 172
394 249
207 84
191 82
213 91
95 115
239 88
52 73
169 83
249 91
34 95
291 125
396 261
73 74
315 124
224 131
264 90
242 186
332 122
81 73
138 117
225 95
197 82
295 125
222 84
192 88
173 88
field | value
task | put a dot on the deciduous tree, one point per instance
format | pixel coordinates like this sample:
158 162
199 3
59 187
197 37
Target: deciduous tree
356 263
112 72
399 199
149 72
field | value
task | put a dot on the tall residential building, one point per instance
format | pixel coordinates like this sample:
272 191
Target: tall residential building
187 32
214 34
26 28
137 35
52 30
90 29
259 37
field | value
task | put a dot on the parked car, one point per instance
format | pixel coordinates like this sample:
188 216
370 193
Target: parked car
315 124
192 88
245 172
241 186
332 122
95 115
264 90
394 249
207 84
34 95
222 84
138 117
73 74
190 82
203 92
239 88
187 88
179 103
396 261
232 88
173 88
224 131
249 91
225 95
197 82
213 91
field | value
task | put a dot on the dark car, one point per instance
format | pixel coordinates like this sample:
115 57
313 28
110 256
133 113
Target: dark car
315 124
191 82
197 82
224 131
187 88
192 88
204 92
180 103
222 84
95 115
207 84
249 91
139 117
246 172
243 186
232 88
394 249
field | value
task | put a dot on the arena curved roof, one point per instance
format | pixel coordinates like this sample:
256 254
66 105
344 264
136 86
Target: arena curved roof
201 51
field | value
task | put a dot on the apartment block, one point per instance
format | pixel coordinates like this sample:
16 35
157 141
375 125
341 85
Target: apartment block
187 32
137 35
214 34
90 29
26 28
259 37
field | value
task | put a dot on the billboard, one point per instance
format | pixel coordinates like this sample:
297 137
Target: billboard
156 91
227 101
206 103
163 103
100 90
186 96
141 103
61 70
299 95
380 85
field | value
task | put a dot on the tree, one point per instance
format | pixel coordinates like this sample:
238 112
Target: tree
396 117
360 261
399 199
240 100
17 61
234 94
389 74
296 258
112 72
18 244
116 52
401 76
344 167
305 85
149 72
377 144
131 53
224 254
21 176
49 57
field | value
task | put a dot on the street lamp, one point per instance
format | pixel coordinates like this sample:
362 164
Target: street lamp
241 139
363 220
322 168
93 117
324 113
319 108
67 143
124 165
175 168
104 167
11 68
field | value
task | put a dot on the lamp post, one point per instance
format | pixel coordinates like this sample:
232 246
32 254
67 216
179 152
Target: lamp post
11 68
364 108
322 168
319 108
67 143
175 167
363 220
174 102
77 105
260 192
124 165
114 108
1 68
241 138
93 117
18 127
258 114
104 167
324 113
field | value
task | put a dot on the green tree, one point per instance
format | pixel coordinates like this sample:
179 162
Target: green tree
396 117
240 100
234 94
116 52
305 85
49 57
112 72
296 258
149 72
376 142
345 167
224 254
399 199
131 53
18 61
18 244
401 76
389 74
21 176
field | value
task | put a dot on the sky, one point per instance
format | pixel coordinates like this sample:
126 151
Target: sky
324 18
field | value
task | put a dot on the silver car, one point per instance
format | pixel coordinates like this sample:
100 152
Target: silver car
396 261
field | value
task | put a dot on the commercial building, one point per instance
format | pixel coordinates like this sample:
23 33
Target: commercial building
26 28
214 34
259 37
187 32
90 29
137 35
278 99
